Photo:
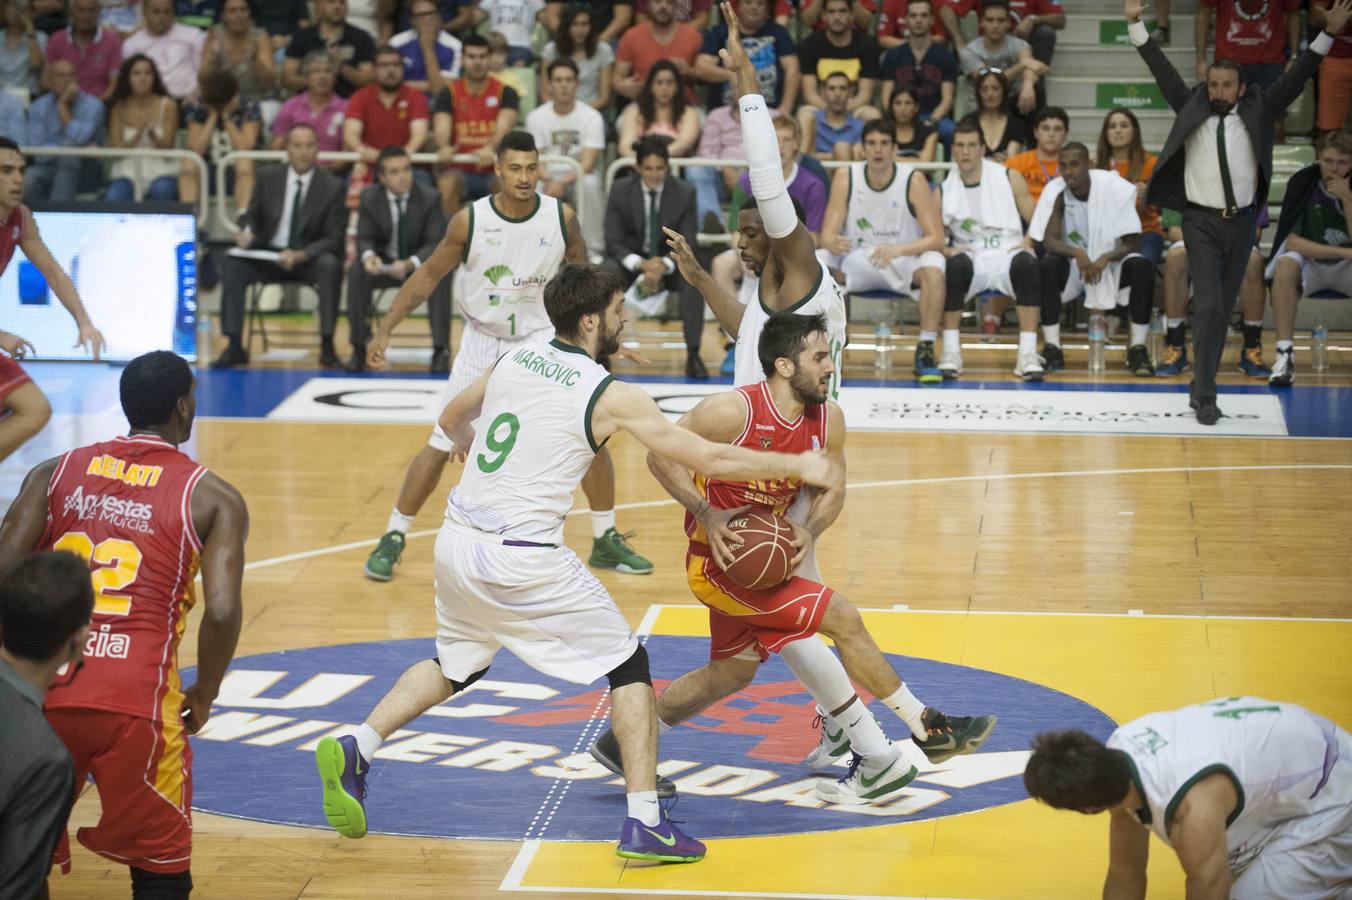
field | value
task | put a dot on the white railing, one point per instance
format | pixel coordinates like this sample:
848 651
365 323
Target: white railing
225 221
123 152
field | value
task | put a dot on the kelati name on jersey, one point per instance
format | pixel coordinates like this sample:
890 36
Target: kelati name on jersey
546 367
119 470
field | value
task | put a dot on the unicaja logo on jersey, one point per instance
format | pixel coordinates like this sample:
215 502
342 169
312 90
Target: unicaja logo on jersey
968 225
497 273
1075 237
863 224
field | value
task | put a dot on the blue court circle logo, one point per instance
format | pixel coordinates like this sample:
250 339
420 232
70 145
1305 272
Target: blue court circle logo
507 759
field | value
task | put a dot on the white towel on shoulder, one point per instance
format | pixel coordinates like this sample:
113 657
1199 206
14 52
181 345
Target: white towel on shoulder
998 209
1112 215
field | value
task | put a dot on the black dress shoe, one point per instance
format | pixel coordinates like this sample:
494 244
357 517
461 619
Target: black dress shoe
694 368
357 363
1207 412
230 357
441 361
328 359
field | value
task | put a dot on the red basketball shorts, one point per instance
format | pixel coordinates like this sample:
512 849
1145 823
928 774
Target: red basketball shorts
741 619
12 375
143 772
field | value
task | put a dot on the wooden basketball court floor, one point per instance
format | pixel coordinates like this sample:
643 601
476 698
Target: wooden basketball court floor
1132 573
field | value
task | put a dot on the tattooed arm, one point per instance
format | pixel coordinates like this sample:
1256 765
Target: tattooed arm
576 247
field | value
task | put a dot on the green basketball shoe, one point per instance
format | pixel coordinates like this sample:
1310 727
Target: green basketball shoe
380 564
612 551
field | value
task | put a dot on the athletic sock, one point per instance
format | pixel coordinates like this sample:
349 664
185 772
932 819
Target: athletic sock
1027 341
643 806
602 522
866 735
1253 334
820 671
928 336
1052 334
1139 333
908 709
1284 345
398 522
952 338
368 742
1171 324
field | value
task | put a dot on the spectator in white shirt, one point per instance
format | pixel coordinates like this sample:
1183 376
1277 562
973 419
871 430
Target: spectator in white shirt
564 127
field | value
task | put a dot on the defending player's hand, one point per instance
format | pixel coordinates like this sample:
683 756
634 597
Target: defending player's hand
734 54
375 351
820 470
721 539
638 358
683 256
803 539
196 709
15 346
91 338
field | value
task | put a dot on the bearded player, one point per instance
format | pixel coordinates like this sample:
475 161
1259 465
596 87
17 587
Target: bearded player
146 518
790 412
23 408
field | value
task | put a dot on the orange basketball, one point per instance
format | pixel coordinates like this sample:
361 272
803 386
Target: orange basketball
762 559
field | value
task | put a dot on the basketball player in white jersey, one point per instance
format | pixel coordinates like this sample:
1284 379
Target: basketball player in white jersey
882 231
985 209
1254 796
506 245
504 580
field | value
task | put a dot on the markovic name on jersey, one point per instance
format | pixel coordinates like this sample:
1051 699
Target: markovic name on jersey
545 367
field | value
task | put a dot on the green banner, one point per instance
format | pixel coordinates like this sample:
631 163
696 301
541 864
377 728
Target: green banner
1115 32
1133 95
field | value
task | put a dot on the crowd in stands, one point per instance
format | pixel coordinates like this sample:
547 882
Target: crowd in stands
453 77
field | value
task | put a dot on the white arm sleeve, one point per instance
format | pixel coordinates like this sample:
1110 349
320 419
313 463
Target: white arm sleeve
766 168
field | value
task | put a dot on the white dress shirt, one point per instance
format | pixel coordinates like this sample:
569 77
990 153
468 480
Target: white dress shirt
1201 161
397 222
651 198
279 237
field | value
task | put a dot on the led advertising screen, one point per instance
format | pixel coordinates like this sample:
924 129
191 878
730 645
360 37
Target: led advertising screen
135 268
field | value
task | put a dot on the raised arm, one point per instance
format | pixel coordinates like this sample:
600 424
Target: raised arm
419 286
1293 80
624 407
1170 83
725 307
38 254
222 519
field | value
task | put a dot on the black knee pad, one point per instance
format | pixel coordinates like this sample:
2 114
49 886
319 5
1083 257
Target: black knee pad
633 670
1054 272
1138 274
147 885
957 281
1026 278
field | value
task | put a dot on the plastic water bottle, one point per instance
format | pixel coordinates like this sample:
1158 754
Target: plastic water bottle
1319 346
882 342
1155 338
1098 337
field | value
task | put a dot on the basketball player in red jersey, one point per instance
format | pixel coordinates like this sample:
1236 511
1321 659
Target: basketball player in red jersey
789 412
146 517
23 408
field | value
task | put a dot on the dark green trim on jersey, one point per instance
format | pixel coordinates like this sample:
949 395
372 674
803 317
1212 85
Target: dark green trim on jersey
909 206
591 406
1187 786
760 298
1143 814
526 218
568 348
469 235
563 228
891 178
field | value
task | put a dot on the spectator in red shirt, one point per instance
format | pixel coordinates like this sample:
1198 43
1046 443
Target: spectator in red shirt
1034 21
95 52
1335 72
385 113
1257 34
660 35
894 29
695 13
810 14
472 116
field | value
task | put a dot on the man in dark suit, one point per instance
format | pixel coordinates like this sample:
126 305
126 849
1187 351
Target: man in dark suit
298 212
636 212
399 224
1216 167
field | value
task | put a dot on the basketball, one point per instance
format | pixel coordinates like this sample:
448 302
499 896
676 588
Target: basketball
762 559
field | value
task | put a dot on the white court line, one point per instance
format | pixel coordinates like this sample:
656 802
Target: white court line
1129 614
863 485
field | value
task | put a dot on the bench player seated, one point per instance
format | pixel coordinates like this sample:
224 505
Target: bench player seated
1087 222
985 207
790 412
882 232
1254 796
1178 291
1313 251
